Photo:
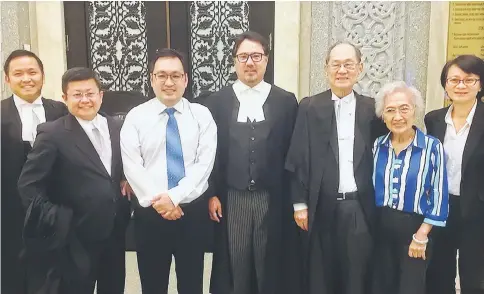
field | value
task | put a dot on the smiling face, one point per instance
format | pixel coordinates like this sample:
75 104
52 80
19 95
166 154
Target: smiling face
169 80
25 78
343 69
399 112
462 87
83 99
250 73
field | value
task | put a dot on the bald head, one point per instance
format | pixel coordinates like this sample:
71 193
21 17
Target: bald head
347 48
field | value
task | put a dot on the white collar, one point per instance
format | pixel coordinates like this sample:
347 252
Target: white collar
179 106
470 116
90 124
261 87
346 99
20 102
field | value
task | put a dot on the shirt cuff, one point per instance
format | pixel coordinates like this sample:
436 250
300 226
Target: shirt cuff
300 206
176 195
434 222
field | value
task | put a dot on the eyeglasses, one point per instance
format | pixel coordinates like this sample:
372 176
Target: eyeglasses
403 110
88 95
244 57
347 66
163 77
468 81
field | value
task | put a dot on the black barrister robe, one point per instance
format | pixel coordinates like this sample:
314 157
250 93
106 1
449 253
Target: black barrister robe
13 214
281 107
313 163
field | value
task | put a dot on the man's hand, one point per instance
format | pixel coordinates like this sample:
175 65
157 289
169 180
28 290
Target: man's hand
215 209
126 190
162 204
301 218
174 214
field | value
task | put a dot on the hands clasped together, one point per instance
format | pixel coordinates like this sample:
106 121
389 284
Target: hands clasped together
164 206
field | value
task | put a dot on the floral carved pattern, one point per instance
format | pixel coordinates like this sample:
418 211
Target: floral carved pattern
214 26
118 45
378 29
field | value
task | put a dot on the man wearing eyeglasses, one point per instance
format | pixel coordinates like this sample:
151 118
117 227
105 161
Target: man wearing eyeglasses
71 188
331 163
249 200
168 146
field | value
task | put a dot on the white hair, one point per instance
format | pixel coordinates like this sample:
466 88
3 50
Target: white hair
399 87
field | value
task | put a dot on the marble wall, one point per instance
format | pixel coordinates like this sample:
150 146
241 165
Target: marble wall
15 32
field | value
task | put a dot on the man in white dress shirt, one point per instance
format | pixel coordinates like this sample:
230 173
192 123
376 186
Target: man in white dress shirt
70 185
168 146
253 247
21 113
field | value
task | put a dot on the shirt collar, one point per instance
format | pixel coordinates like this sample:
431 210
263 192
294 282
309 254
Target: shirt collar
240 87
89 123
20 102
470 116
179 106
418 140
346 99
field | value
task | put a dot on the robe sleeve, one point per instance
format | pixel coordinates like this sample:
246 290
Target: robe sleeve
297 160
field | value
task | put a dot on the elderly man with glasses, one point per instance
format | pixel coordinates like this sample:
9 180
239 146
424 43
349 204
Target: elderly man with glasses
331 164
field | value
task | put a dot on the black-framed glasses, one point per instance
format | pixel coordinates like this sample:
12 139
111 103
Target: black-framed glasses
244 57
163 76
467 81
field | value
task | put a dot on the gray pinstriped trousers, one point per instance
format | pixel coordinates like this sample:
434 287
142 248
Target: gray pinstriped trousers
247 221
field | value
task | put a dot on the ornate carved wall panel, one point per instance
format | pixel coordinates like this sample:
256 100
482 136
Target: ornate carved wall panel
214 25
393 38
118 44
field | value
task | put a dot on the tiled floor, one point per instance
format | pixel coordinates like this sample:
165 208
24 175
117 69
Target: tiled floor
132 277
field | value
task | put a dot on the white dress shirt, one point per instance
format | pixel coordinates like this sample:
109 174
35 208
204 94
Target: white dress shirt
143 149
454 143
251 100
345 111
31 115
103 147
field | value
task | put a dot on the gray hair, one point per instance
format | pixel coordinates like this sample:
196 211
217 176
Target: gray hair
399 87
357 50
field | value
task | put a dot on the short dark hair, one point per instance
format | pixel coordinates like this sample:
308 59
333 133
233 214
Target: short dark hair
167 52
252 36
469 64
357 50
76 74
21 53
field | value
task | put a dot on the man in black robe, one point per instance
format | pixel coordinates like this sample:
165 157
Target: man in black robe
21 113
331 162
254 246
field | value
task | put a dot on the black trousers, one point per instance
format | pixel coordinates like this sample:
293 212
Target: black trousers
345 252
107 268
468 238
157 240
394 271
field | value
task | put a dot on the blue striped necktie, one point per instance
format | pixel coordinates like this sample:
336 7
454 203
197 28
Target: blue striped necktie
175 166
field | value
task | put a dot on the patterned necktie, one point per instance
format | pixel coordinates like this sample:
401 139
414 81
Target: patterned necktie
174 155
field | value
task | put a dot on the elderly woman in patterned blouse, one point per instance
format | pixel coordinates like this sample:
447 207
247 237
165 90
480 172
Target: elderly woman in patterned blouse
410 190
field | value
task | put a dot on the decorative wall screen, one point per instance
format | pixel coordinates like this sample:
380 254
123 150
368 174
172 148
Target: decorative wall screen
118 44
214 26
392 36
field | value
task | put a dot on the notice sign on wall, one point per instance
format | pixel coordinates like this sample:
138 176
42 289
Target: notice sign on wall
466 29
